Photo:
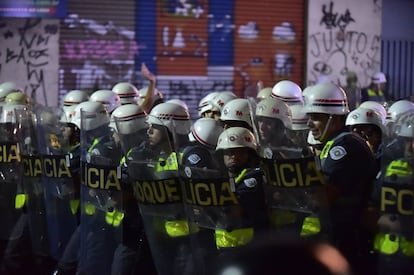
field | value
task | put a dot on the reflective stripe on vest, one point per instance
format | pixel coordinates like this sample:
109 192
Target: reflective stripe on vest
399 168
74 206
325 150
390 244
94 143
177 228
237 237
20 200
89 208
310 226
373 93
114 217
171 163
373 96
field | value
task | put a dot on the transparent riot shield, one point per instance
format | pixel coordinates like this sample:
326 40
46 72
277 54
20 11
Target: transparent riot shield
294 180
211 207
32 181
12 198
152 166
61 181
101 194
393 242
293 193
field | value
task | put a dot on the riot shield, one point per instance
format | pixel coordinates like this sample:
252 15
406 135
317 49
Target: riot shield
293 194
294 180
393 242
60 178
212 207
12 198
101 194
153 170
32 181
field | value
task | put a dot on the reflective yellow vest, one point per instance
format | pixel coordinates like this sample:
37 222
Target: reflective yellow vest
375 96
311 224
174 228
387 243
236 237
112 216
390 244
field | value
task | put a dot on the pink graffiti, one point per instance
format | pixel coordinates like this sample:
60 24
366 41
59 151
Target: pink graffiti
99 49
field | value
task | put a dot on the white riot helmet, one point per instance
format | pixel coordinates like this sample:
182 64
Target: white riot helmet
171 115
130 118
70 100
74 97
14 101
306 92
157 96
379 78
375 106
288 91
16 98
237 109
204 104
397 108
363 115
404 126
236 137
127 92
5 89
326 98
299 118
264 93
206 131
275 108
109 99
221 99
90 115
179 102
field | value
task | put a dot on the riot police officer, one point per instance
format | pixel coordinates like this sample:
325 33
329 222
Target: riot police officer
247 217
16 249
132 255
238 112
370 125
204 104
393 242
101 189
346 193
273 118
70 100
203 140
216 104
153 168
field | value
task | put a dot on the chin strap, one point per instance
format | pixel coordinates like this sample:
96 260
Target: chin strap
328 123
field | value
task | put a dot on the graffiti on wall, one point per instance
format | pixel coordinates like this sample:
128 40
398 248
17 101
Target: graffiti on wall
29 57
343 38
